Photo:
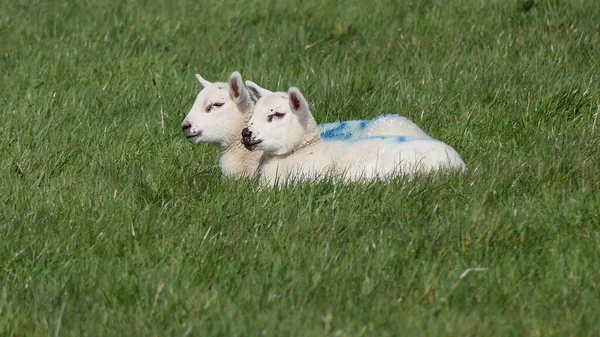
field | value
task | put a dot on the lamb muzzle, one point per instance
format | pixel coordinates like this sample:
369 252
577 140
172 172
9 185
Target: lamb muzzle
247 140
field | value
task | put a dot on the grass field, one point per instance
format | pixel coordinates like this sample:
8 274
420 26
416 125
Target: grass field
111 224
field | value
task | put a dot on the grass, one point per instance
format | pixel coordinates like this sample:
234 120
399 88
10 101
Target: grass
112 224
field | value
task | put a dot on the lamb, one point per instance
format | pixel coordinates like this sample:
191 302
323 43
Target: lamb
222 109
282 126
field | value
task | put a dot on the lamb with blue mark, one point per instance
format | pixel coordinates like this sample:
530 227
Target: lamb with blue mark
282 126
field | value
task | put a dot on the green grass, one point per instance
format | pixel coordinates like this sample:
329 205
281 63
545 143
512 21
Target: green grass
111 224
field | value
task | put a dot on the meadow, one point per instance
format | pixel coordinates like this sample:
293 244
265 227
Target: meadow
111 224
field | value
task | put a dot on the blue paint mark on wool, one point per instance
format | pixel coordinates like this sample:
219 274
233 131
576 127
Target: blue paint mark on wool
337 132
396 139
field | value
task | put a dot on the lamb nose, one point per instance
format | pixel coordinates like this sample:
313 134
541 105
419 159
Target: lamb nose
185 125
246 132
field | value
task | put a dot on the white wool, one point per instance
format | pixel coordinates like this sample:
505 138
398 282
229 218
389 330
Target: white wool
283 127
393 125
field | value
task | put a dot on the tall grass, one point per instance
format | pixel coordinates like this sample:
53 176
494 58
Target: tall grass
112 224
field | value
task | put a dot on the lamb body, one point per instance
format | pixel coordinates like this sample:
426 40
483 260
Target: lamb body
283 127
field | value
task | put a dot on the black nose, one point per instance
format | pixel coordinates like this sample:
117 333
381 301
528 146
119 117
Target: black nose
185 125
246 133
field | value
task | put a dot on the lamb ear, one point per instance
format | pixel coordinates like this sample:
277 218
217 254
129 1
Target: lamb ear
237 90
256 91
297 101
202 82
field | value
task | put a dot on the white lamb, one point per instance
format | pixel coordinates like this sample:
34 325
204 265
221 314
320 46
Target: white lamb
222 109
283 127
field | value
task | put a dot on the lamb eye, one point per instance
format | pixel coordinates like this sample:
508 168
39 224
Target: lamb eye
277 115
212 105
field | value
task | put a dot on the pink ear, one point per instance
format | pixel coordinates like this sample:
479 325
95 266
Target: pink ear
295 101
237 91
235 88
